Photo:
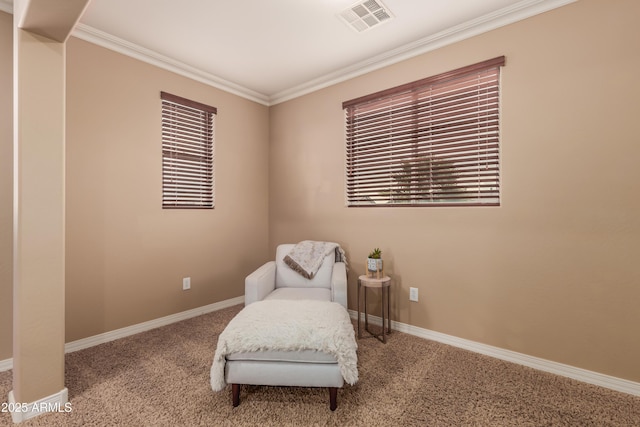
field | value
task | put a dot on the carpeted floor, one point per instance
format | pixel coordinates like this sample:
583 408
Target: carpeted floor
161 378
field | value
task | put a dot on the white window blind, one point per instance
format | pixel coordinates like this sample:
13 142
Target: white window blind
187 153
433 142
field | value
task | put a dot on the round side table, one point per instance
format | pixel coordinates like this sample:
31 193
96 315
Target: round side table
384 284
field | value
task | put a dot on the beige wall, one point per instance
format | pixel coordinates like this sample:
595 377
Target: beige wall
6 184
553 272
126 256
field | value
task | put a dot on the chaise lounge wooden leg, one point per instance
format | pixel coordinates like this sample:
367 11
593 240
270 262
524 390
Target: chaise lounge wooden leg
333 398
235 394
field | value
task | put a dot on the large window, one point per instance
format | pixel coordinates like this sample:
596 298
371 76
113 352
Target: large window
433 142
187 153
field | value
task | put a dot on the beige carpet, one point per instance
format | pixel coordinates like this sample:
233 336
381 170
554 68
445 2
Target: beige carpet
161 378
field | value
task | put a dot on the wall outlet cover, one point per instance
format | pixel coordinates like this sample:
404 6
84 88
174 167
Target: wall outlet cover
413 294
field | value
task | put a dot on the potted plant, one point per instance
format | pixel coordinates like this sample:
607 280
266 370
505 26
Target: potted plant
374 263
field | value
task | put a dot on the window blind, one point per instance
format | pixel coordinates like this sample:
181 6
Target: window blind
430 142
187 153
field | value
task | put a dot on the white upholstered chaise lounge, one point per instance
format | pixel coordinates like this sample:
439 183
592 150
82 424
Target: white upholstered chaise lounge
284 289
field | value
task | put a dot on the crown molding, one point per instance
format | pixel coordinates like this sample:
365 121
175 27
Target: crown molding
101 38
108 41
505 16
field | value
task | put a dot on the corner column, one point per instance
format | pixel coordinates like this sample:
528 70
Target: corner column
39 223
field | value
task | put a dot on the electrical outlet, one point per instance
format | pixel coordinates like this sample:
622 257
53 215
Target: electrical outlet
413 294
186 283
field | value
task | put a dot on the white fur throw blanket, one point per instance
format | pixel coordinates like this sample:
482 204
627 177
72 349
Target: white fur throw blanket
282 325
307 256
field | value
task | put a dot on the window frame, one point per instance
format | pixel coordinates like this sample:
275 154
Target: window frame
188 147
416 144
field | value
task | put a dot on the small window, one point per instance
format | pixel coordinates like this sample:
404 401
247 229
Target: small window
433 142
187 153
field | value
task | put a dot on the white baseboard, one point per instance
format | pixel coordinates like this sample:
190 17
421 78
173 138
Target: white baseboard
561 369
579 374
57 402
151 324
72 346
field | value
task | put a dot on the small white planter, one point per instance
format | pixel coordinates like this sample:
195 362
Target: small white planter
374 267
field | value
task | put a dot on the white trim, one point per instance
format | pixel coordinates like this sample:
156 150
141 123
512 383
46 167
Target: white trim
6 364
590 377
55 403
100 38
146 326
81 344
505 16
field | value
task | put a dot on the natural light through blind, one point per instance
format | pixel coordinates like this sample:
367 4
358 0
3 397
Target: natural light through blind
431 142
187 153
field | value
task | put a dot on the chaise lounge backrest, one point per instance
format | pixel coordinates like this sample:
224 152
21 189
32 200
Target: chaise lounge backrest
276 280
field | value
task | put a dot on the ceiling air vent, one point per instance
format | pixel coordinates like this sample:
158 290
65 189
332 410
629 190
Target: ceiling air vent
365 15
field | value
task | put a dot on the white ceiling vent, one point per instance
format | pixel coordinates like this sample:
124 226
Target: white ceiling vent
366 14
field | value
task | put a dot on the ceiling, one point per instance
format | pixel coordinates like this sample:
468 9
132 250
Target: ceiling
273 50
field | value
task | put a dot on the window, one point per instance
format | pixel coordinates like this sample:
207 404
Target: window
187 153
433 142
